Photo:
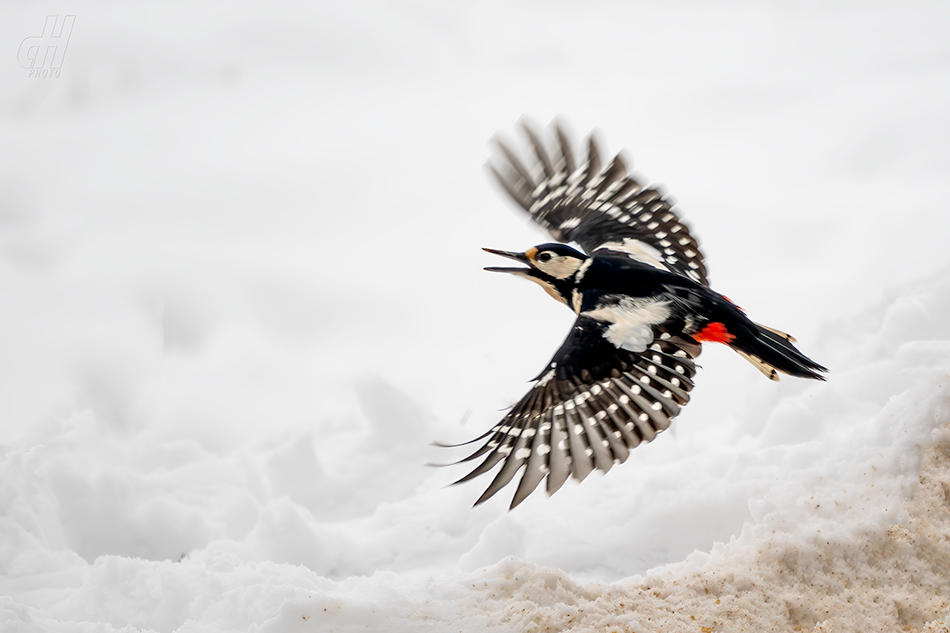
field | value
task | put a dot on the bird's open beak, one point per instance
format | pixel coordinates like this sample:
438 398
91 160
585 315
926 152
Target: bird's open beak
518 257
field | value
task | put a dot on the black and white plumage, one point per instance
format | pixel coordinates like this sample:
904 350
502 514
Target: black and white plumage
643 308
598 208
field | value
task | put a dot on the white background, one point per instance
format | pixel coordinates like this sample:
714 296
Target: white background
242 291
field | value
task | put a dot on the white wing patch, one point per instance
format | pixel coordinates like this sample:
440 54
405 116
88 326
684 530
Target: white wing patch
640 251
632 321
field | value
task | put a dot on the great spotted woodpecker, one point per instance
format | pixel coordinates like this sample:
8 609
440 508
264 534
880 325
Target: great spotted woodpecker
643 307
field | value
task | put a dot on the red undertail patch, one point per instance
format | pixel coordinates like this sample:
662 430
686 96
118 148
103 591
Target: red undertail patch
714 332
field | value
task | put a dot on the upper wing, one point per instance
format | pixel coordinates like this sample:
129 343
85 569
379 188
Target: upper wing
599 208
589 407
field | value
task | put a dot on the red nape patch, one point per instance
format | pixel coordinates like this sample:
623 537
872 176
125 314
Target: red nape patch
714 332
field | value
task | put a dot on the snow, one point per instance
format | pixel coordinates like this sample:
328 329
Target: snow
241 268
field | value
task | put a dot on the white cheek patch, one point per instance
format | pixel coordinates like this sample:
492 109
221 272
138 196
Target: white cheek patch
632 321
640 251
560 267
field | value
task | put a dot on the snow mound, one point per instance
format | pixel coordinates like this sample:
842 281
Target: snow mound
859 577
851 533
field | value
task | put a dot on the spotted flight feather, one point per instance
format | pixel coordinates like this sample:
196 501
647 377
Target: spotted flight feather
599 208
592 404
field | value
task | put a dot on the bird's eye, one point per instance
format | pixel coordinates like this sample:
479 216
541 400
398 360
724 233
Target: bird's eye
544 257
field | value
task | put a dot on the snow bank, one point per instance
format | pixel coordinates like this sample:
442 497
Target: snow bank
851 531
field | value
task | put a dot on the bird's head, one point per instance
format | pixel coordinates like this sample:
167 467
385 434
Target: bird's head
551 266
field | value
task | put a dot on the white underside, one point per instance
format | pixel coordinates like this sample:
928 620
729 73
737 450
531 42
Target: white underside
632 321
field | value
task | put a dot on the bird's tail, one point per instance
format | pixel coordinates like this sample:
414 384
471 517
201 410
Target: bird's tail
771 351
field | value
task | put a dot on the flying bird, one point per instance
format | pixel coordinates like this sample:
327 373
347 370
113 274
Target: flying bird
640 290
